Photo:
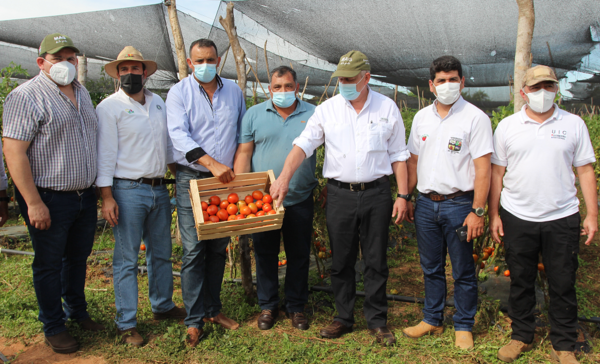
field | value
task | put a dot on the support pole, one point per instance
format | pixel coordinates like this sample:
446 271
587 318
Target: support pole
82 69
239 55
178 38
523 50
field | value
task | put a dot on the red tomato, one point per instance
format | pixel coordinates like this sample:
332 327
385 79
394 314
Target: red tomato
259 204
267 207
205 214
214 218
233 198
257 195
214 200
272 212
260 213
212 210
231 217
507 273
267 199
204 206
223 215
223 205
253 207
496 268
245 210
232 209
284 262
142 247
248 199
251 215
279 264
240 217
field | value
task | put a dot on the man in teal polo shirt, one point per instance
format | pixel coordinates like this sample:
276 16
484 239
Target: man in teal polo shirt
268 130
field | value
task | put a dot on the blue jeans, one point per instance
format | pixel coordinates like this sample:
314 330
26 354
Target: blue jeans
144 213
203 261
61 254
436 224
297 231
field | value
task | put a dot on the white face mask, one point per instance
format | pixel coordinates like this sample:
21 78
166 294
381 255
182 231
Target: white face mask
63 72
448 93
541 100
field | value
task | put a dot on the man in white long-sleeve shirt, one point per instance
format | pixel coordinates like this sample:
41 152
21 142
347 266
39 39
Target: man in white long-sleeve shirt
134 150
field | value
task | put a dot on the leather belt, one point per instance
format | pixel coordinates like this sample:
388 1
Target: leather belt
78 192
182 168
150 181
434 196
360 186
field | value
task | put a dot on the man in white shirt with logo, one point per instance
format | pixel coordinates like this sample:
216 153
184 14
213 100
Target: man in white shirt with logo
537 148
450 145
363 134
134 150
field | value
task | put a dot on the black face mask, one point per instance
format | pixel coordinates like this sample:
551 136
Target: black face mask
131 83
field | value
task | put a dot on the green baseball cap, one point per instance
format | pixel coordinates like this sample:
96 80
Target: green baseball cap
351 64
55 42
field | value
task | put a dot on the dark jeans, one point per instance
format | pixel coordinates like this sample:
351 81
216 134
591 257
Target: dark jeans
436 224
558 241
203 262
61 253
296 231
352 217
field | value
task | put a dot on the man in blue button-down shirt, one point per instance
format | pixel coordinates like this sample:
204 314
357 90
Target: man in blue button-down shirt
268 130
204 114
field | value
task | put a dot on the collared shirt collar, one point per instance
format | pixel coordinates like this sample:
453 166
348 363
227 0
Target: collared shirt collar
219 81
454 108
147 94
299 107
555 115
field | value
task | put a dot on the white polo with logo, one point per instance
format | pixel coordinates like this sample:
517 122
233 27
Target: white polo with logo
539 184
447 147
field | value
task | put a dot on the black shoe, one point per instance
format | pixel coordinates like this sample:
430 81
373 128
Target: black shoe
383 336
62 343
299 320
267 318
335 330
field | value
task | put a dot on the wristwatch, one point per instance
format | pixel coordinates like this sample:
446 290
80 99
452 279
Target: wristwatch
406 197
478 211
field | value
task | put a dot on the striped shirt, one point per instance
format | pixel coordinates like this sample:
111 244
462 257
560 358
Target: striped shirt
62 152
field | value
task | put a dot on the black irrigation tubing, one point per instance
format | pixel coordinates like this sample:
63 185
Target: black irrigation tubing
20 252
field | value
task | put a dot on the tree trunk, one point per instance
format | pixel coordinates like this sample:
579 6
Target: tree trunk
178 38
246 265
238 53
82 69
523 50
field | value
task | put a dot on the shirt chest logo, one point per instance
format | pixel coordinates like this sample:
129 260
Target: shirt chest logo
558 134
158 107
424 137
454 145
129 111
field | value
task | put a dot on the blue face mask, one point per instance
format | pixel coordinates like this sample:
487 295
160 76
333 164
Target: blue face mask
205 72
348 90
284 99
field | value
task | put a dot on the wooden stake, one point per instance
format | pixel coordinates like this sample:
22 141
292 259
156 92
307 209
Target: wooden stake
291 65
267 63
228 24
82 69
224 60
418 98
396 95
304 89
178 38
256 76
336 86
324 92
523 49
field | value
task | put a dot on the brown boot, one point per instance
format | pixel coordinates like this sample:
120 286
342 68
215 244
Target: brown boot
62 343
335 330
299 320
224 321
90 325
176 313
267 319
563 357
131 336
513 350
194 336
383 336
464 340
422 329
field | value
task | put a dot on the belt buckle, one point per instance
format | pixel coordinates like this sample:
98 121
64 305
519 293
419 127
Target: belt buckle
436 197
362 187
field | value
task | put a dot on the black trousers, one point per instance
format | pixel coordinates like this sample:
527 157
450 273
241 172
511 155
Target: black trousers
352 217
558 241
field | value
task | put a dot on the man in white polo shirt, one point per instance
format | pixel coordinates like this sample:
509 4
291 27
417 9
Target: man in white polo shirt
450 145
134 150
537 148
364 143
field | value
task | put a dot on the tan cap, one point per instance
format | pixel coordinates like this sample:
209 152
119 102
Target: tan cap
539 74
351 64
129 54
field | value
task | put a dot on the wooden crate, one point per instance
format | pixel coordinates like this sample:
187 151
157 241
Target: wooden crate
243 184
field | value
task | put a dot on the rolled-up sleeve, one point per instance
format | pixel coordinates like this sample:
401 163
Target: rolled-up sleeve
397 149
313 135
107 145
178 123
